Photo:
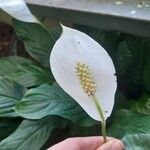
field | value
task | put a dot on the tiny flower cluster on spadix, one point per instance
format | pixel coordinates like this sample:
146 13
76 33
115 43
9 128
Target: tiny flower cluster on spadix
86 79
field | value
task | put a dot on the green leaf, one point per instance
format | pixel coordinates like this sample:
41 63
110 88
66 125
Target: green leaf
31 135
10 93
127 122
120 101
139 47
8 64
141 105
7 126
24 71
30 75
146 77
49 100
37 39
123 58
137 142
82 131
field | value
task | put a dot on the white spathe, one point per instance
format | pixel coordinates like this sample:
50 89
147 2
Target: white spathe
18 9
72 47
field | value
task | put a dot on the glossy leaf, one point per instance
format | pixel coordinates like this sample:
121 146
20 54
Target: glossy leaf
139 47
48 100
10 93
127 122
123 58
137 142
7 126
146 77
141 105
24 71
37 39
31 134
120 101
9 64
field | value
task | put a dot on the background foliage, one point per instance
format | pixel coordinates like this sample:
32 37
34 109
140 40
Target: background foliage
33 108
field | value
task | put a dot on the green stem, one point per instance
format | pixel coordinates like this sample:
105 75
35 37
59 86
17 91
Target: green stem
99 109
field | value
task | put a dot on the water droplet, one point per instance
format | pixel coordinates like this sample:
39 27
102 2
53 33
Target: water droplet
139 5
132 12
118 2
147 5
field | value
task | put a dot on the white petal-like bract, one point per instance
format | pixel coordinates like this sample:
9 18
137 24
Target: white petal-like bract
18 9
75 47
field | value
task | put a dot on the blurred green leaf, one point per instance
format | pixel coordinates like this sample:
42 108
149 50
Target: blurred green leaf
49 100
123 58
81 131
146 77
24 71
37 39
141 105
127 122
137 142
31 135
10 93
120 101
7 126
30 75
9 64
139 47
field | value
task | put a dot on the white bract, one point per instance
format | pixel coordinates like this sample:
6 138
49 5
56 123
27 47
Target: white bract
18 9
84 70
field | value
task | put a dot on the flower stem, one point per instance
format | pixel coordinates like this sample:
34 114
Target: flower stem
99 109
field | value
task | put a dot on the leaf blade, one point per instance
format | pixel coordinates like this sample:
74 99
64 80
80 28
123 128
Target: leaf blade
48 100
31 134
37 39
127 122
10 93
137 142
24 71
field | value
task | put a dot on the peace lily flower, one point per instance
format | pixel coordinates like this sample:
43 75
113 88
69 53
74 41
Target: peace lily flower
86 72
18 9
